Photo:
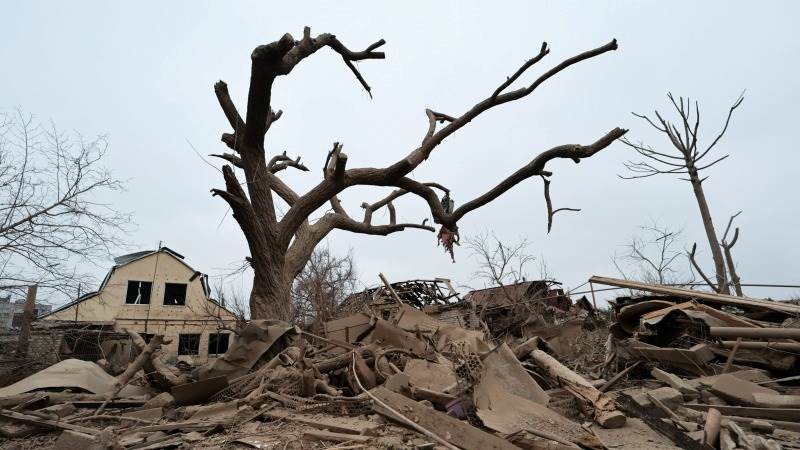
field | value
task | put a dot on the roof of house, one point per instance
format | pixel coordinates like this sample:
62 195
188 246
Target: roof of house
123 260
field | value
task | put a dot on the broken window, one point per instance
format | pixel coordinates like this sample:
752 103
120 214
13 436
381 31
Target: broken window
218 343
138 293
175 294
188 344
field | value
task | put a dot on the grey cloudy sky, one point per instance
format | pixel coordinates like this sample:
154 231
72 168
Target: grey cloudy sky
143 73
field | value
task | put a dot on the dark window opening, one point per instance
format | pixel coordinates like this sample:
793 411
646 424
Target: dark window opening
188 344
218 343
138 293
174 294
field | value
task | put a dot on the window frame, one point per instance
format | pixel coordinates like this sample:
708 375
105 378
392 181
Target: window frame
216 351
182 346
167 287
149 284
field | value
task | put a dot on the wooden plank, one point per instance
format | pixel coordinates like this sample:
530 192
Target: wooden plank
322 435
33 420
788 414
603 406
755 333
338 424
455 431
777 400
720 299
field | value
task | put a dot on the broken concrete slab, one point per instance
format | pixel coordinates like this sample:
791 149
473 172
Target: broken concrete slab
670 397
448 428
163 400
500 409
635 435
146 414
429 375
215 412
72 440
505 369
738 391
675 382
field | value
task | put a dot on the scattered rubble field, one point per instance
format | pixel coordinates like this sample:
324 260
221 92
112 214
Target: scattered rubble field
411 366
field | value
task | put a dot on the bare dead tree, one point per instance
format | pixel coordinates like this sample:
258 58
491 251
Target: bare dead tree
281 246
686 157
653 256
52 218
499 264
727 246
325 281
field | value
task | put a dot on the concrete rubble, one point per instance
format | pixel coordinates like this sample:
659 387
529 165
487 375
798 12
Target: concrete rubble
412 365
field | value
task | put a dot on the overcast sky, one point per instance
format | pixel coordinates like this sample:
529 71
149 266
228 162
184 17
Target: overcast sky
143 72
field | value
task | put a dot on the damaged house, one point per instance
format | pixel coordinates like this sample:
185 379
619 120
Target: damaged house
156 292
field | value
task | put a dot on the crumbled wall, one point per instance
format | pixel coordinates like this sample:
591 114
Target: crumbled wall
43 351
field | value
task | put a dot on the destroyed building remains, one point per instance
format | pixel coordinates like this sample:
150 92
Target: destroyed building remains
666 368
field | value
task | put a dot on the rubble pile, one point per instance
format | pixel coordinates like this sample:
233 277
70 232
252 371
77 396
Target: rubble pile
678 369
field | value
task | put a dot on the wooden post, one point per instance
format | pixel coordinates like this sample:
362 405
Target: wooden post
731 355
391 289
604 409
711 428
594 302
27 318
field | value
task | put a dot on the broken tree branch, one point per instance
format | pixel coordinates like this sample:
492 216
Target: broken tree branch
699 270
133 368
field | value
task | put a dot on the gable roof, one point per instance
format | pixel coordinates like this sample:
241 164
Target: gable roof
131 257
123 260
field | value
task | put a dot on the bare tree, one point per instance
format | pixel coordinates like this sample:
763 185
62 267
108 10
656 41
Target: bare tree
499 264
653 256
727 246
226 302
52 217
324 282
687 157
281 246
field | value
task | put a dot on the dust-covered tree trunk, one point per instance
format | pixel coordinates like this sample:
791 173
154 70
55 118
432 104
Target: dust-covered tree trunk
711 233
270 295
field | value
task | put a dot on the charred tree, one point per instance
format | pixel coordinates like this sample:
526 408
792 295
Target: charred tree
281 246
686 158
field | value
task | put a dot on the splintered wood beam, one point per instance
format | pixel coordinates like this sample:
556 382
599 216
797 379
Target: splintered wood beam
604 409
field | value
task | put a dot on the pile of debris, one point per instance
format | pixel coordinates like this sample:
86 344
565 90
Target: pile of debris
393 376
729 364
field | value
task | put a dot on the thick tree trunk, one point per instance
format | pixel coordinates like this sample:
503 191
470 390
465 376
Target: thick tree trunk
269 298
711 234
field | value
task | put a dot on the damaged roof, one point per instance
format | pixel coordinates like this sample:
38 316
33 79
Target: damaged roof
123 260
